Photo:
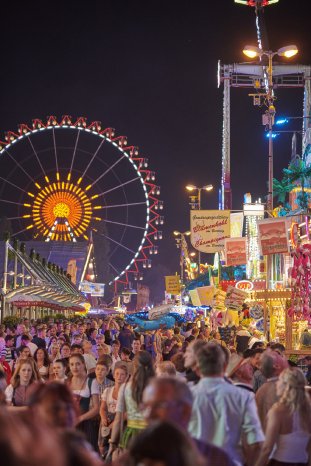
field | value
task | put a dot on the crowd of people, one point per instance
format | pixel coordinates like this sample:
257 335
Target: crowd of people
96 391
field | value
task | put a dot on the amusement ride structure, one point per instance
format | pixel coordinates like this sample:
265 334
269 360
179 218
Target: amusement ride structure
66 180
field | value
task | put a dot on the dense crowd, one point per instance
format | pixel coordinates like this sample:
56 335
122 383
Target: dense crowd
95 391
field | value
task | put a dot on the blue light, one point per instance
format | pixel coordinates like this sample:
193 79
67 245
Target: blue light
273 135
281 121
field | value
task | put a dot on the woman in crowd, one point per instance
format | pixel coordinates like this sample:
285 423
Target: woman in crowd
85 392
216 338
109 404
65 350
22 353
60 370
129 401
288 431
41 358
18 392
53 351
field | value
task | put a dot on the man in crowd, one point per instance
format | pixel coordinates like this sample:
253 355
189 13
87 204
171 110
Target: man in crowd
223 414
135 348
190 361
8 351
25 341
240 371
20 330
170 399
126 336
272 364
39 338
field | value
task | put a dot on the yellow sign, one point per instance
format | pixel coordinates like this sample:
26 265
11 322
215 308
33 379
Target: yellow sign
209 229
172 284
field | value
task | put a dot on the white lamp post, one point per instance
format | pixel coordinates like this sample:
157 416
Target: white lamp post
191 188
268 118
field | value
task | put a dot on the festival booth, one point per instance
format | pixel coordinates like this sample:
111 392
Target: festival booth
35 288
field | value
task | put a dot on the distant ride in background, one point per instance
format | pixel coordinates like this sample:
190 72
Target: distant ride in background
65 180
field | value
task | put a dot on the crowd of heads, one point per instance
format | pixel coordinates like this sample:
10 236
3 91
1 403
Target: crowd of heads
46 369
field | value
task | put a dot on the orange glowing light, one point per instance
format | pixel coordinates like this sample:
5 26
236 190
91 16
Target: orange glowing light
60 211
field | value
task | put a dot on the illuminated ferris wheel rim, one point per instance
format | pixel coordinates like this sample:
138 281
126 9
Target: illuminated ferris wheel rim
106 135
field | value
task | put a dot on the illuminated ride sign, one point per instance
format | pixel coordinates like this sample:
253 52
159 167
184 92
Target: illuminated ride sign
244 285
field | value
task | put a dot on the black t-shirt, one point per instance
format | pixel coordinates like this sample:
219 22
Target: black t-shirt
40 342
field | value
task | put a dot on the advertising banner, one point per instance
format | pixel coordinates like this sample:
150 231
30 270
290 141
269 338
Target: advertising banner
206 295
202 296
273 235
236 224
194 296
172 284
235 251
94 289
209 229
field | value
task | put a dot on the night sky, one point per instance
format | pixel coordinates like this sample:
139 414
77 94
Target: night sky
149 70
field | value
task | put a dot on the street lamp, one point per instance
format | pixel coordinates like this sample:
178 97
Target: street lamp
191 188
268 118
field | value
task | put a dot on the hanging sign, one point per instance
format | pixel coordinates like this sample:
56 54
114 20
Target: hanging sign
235 251
94 289
273 235
245 285
209 229
172 284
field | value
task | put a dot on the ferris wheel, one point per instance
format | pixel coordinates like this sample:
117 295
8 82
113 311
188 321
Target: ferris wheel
63 179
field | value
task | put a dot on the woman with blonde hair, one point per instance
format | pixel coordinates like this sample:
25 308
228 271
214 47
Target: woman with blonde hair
288 431
18 392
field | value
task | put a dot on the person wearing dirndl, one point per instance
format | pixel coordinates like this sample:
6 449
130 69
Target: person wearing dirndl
129 401
108 406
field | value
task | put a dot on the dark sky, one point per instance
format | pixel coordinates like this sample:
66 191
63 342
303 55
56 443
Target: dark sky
149 69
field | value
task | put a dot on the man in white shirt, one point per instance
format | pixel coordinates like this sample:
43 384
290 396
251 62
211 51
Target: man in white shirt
25 341
223 414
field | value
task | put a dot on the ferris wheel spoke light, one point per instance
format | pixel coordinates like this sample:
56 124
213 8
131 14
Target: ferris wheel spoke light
93 157
36 155
55 150
73 156
117 242
113 267
123 205
108 170
16 203
119 186
13 184
124 224
19 166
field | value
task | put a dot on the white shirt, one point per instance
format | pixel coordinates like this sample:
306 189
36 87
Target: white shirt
90 361
221 413
32 347
114 360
